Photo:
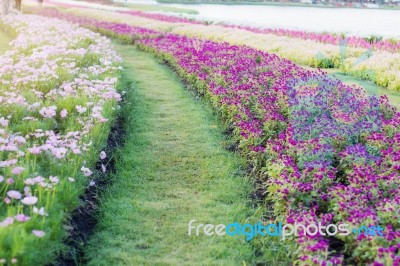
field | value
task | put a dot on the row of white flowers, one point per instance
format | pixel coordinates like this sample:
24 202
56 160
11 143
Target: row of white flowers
57 101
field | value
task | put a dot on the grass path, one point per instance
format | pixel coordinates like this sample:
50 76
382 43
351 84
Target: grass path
172 169
4 40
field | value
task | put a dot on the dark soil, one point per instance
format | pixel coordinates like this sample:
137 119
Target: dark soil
84 219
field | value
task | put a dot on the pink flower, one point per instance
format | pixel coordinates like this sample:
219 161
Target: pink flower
17 170
59 153
14 194
103 168
38 233
7 222
92 183
14 260
76 151
34 150
81 109
38 179
68 88
63 113
86 171
3 122
27 191
54 179
30 200
48 112
103 155
21 217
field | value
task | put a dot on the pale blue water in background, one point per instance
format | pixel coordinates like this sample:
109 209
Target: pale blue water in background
347 20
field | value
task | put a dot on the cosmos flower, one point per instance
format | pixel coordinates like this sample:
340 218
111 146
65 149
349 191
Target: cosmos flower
38 233
29 200
14 194
22 218
63 113
86 171
17 170
50 64
81 109
40 211
48 112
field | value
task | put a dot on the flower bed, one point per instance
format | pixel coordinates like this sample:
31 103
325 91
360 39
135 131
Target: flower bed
161 17
326 152
389 45
340 167
380 65
58 99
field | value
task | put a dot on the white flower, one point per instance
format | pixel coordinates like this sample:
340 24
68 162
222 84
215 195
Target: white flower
40 211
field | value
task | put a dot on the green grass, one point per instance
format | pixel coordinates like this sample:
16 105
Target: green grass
159 8
4 40
172 169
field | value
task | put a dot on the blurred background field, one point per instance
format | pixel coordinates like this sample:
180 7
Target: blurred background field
4 42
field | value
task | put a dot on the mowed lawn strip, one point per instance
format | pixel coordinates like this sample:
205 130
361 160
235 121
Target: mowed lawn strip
172 169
